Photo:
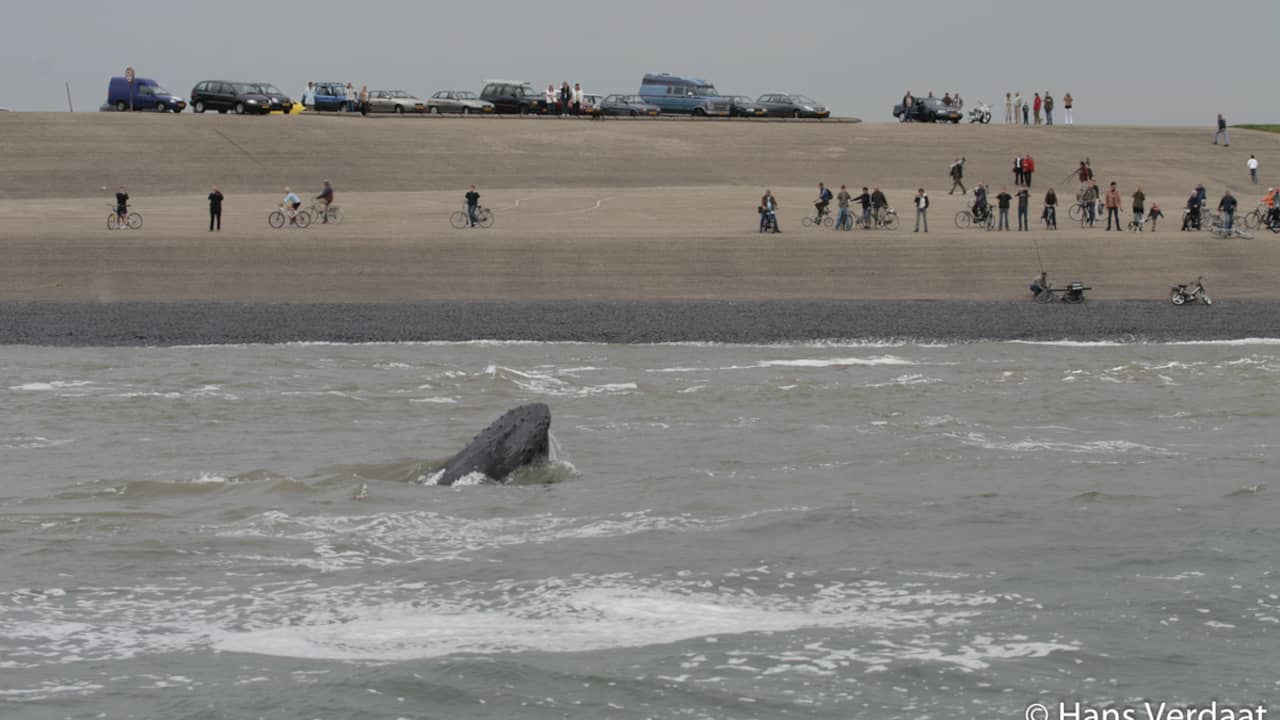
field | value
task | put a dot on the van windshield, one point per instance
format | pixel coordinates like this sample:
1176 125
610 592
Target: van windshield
704 91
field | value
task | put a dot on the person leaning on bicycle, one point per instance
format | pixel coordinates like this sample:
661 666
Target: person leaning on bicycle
326 196
473 206
122 205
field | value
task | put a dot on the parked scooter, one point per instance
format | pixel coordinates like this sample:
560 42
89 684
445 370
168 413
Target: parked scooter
1189 293
980 114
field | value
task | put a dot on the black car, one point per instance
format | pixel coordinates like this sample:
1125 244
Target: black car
930 109
514 98
238 97
743 106
793 106
279 101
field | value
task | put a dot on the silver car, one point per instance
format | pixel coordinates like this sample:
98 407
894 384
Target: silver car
458 101
395 101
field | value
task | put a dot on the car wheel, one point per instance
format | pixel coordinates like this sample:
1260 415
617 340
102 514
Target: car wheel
239 108
198 106
433 110
121 106
699 112
523 110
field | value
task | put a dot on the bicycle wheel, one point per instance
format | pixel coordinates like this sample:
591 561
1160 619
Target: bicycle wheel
276 219
829 221
1076 212
484 216
334 215
302 219
963 219
1252 220
458 219
113 222
890 220
134 221
806 221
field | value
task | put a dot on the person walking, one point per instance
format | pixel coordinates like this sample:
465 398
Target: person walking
1067 101
1222 132
844 221
1003 200
1017 108
1008 108
1024 207
1036 104
1139 207
1048 108
1252 164
1113 206
922 210
1228 209
215 209
957 176
1051 210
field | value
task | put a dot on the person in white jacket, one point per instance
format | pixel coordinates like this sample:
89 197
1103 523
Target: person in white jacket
1252 164
577 98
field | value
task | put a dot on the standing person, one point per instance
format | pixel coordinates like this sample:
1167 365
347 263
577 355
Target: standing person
1228 209
1008 108
326 197
922 210
566 98
1028 167
1026 113
1017 108
865 201
309 95
1222 132
908 105
550 97
473 205
1024 205
1036 104
349 104
122 206
577 98
1017 170
1253 169
1089 199
215 209
957 176
844 221
1048 108
1067 102
1084 174
769 212
1139 207
878 204
364 100
1051 210
1113 206
1003 201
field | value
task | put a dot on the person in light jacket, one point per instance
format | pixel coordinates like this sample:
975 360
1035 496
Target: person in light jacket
922 210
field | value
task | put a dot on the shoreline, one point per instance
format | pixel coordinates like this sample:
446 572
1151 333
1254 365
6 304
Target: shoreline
136 324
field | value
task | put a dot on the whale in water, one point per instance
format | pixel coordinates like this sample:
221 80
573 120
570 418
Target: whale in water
516 439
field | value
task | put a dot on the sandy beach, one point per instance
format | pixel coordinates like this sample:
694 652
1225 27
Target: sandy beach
603 212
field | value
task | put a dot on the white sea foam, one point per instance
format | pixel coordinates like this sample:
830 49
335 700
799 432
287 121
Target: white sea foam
1033 445
50 386
546 383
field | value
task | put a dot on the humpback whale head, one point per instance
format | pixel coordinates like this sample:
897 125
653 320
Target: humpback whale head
516 439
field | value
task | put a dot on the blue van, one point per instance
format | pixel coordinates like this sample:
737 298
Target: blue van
147 95
684 95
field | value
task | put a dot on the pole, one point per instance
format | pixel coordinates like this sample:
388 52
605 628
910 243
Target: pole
69 106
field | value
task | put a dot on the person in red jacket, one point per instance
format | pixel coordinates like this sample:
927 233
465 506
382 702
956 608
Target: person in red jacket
1035 107
1028 167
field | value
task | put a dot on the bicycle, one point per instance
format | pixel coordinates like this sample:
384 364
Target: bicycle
965 218
331 214
822 218
1222 231
132 220
1256 217
885 218
462 218
281 215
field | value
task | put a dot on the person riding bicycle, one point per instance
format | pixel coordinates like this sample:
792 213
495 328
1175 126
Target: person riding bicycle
769 212
291 204
326 196
879 203
473 206
122 205
980 208
824 199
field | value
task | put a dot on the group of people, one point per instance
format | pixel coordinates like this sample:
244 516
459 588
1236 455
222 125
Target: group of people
566 101
872 202
1020 112
352 100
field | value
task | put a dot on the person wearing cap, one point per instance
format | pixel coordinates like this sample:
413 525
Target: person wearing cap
326 196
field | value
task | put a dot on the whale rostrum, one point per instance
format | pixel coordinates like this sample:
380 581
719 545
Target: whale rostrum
516 439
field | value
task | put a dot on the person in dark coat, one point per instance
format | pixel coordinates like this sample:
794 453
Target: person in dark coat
215 209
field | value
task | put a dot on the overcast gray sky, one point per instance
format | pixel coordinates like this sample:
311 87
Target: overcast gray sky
1169 62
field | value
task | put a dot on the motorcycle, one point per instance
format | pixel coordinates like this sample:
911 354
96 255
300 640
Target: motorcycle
1189 293
980 114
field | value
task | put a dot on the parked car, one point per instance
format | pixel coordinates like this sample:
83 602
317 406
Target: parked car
330 96
591 104
458 101
144 94
395 101
221 95
794 106
279 101
743 106
632 105
929 109
685 95
514 98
